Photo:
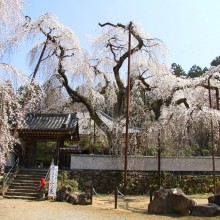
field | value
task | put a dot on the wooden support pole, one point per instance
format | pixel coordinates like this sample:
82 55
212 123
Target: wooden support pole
159 161
212 141
116 198
91 193
127 112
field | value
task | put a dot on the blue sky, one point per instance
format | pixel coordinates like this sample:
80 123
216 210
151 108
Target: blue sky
189 28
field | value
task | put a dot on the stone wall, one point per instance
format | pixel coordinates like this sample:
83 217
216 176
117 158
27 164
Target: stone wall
171 164
140 183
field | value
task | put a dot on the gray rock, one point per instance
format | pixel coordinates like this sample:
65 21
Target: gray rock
214 199
74 199
159 204
179 203
171 201
84 200
81 199
65 195
62 194
206 210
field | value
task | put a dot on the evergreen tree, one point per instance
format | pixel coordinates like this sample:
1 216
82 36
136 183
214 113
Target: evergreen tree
196 71
216 61
177 70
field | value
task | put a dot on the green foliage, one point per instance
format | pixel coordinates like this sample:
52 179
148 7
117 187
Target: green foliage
216 61
196 71
139 183
98 148
177 70
218 186
85 142
205 152
190 184
44 151
64 179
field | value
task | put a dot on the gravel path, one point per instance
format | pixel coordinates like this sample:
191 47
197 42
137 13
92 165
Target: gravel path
102 209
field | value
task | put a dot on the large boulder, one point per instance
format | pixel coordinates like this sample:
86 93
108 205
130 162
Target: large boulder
84 199
171 201
74 199
64 194
81 199
179 203
159 204
206 210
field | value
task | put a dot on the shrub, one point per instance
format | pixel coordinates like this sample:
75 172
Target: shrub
65 180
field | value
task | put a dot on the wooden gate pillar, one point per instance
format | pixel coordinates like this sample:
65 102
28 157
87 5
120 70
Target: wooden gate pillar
60 144
31 150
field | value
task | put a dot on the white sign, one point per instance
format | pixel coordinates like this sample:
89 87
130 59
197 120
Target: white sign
53 181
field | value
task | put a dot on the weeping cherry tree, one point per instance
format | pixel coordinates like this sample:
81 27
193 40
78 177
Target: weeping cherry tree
97 81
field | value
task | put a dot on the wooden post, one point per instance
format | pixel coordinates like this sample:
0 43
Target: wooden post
159 161
91 193
60 144
217 107
116 198
3 189
127 111
151 194
212 141
94 138
217 98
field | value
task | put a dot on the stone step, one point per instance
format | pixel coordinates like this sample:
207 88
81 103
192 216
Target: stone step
40 171
31 194
30 172
23 187
39 176
26 181
27 190
33 173
21 177
25 184
20 197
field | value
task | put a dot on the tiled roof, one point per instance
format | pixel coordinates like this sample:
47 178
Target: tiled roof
50 122
85 123
109 122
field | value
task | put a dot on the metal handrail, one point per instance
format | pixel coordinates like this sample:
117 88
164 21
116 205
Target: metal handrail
8 175
47 175
48 172
96 192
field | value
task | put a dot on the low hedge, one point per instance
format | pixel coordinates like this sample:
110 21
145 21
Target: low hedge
139 183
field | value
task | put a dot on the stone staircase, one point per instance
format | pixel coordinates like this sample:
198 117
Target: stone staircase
25 184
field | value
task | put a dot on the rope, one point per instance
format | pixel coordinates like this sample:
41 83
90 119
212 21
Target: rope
121 194
96 192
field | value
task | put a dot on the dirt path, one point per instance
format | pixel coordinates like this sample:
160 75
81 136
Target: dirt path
102 208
